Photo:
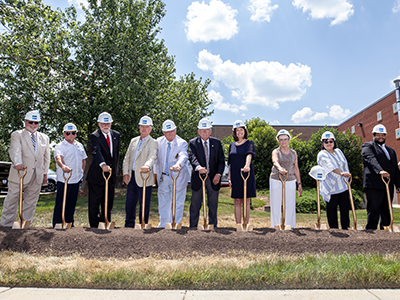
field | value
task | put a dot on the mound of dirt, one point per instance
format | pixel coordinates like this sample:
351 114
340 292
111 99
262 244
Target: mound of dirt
126 243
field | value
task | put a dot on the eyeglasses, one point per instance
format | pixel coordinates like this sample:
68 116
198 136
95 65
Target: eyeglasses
33 122
281 140
328 142
68 133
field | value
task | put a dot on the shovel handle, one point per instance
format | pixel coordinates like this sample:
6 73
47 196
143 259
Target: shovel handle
109 176
23 174
106 198
172 176
244 196
144 195
174 195
283 181
204 198
389 201
285 178
351 201
65 196
69 176
205 177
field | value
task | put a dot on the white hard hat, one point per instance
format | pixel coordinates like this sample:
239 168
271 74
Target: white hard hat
282 132
33 115
104 117
168 125
145 120
379 129
327 135
238 123
69 127
204 124
318 173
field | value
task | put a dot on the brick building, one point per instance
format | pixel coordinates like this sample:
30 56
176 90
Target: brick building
383 111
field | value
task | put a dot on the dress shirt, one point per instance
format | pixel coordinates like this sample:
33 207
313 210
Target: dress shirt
385 151
204 147
72 154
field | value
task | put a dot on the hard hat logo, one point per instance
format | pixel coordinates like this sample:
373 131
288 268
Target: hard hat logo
203 124
34 117
319 175
380 129
144 122
169 126
69 127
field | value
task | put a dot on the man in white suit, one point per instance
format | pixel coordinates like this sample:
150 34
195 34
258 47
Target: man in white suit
172 153
139 158
29 149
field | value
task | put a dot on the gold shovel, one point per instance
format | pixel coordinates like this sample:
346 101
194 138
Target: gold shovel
244 226
106 225
389 228
64 225
283 219
173 225
355 227
22 223
318 226
143 225
205 226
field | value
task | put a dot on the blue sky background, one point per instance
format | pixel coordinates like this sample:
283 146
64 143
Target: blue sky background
290 62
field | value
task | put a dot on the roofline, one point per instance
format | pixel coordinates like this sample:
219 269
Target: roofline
365 108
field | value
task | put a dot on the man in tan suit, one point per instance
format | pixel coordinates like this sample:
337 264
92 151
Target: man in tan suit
29 149
139 158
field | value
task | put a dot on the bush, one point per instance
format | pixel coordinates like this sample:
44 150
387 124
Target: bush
307 203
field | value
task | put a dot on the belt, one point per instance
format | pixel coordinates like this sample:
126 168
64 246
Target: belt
163 173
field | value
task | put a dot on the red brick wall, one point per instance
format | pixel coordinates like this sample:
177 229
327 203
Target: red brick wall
368 119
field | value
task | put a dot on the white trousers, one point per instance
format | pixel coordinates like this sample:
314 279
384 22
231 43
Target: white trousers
30 197
275 194
165 190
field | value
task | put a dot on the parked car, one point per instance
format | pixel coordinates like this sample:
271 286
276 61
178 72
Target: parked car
4 170
51 184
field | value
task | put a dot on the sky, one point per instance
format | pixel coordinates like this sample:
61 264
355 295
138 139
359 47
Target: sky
288 62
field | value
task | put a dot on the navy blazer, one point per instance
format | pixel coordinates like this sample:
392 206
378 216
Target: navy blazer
375 160
101 153
197 157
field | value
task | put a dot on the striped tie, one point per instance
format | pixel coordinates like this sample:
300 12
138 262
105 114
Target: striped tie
207 157
33 138
166 169
386 152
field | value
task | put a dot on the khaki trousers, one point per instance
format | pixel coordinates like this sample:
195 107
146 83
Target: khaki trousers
31 192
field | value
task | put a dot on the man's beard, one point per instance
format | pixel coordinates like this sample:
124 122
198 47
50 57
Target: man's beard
380 142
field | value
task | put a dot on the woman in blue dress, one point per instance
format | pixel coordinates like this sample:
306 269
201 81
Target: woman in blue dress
241 154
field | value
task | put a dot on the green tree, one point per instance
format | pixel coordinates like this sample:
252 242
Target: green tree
112 61
263 136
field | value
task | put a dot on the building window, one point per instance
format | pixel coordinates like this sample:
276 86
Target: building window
398 133
395 108
353 129
379 116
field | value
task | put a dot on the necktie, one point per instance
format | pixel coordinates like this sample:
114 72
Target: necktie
386 152
108 141
207 158
33 138
166 169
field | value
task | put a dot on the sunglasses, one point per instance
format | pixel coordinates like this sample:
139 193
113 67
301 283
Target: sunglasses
33 122
283 140
68 133
328 142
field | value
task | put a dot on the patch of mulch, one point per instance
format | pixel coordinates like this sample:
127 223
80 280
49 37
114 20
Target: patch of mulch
124 243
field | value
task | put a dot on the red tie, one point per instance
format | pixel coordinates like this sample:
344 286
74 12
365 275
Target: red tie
108 141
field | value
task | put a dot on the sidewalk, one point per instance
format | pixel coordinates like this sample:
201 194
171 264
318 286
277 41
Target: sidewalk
83 294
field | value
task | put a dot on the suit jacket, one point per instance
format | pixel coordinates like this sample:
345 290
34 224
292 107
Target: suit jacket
101 153
21 152
375 160
178 154
146 157
197 157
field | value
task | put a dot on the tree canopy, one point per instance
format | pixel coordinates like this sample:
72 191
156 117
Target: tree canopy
73 70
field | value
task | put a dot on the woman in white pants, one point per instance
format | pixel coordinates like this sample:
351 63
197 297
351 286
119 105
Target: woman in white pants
285 163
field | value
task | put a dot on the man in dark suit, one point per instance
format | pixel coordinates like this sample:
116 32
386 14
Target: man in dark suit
105 146
206 156
379 160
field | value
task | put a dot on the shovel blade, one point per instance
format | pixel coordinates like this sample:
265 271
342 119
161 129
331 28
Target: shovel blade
138 226
288 227
210 227
200 227
102 226
249 227
147 226
239 227
277 227
21 224
178 226
168 226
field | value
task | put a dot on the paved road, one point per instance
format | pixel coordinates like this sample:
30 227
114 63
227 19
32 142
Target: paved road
83 294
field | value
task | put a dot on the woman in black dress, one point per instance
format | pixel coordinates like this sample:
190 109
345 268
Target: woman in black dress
241 153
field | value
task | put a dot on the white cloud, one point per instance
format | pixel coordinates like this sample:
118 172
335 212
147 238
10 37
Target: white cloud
85 3
219 104
396 7
261 10
339 10
264 83
215 21
307 115
275 122
336 112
